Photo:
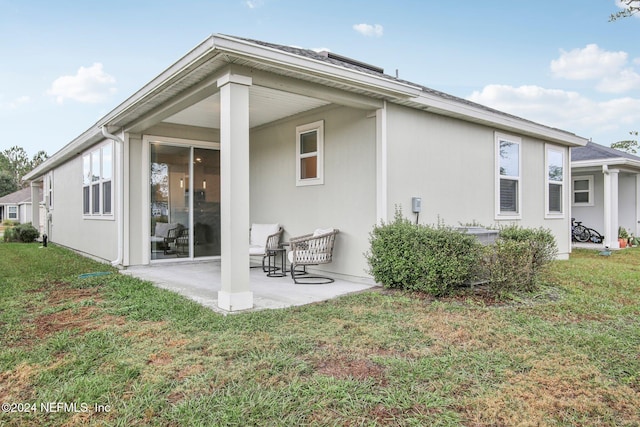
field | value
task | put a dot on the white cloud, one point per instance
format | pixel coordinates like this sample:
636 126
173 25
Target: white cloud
610 69
565 110
90 85
14 104
625 81
254 4
369 30
588 63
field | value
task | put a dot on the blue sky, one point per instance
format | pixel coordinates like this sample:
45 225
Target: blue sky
65 64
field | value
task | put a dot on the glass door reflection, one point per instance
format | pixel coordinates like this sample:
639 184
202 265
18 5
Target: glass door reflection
170 201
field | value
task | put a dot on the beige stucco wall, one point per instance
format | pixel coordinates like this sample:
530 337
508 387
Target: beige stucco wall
593 216
96 237
346 201
627 205
450 164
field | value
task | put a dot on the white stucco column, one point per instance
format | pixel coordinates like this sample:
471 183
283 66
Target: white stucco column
35 205
611 207
234 193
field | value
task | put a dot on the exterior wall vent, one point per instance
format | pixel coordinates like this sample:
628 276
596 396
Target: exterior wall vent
351 61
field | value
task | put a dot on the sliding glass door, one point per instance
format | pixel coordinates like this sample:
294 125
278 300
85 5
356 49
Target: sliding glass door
185 202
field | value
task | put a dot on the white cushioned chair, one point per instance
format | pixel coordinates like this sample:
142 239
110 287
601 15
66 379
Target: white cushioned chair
311 249
263 237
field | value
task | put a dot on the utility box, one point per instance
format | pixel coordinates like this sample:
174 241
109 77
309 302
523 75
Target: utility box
484 236
416 204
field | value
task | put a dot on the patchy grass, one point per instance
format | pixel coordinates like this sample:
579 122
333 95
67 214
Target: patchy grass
568 355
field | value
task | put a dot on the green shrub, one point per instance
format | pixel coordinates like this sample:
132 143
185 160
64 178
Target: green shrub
422 258
514 262
25 233
10 235
509 267
542 242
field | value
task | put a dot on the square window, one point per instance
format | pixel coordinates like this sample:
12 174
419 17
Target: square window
583 191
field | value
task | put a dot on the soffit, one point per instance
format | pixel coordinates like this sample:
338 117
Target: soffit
265 105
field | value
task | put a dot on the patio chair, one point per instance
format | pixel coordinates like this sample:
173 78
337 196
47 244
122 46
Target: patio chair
263 237
170 239
182 243
311 249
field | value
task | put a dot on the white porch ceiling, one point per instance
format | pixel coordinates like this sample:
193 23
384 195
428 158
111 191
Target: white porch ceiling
265 105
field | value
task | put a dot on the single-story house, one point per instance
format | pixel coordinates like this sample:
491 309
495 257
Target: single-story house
16 206
605 190
241 131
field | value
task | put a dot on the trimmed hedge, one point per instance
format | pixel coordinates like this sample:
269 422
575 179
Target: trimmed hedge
438 260
434 260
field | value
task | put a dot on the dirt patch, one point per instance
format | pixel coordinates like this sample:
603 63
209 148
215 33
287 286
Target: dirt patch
65 294
548 392
14 383
344 368
160 359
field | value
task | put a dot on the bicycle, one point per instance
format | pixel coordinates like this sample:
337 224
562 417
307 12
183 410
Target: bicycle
582 234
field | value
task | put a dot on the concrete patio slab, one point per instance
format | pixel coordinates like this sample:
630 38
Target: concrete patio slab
200 281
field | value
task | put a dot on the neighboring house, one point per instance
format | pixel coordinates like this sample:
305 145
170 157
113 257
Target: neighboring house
606 190
16 206
240 131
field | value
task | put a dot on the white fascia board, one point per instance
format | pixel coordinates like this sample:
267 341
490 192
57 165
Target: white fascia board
502 121
187 63
620 162
291 61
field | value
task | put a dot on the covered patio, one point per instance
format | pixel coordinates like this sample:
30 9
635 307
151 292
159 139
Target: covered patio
201 282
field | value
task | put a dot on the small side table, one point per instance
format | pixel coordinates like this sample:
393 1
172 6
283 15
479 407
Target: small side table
272 262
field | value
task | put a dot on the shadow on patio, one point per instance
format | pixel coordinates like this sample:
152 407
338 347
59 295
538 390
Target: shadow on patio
200 281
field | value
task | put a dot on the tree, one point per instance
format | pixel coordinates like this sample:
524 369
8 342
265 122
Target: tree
7 184
629 145
15 163
631 7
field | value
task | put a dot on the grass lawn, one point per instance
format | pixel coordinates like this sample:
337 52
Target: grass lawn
113 350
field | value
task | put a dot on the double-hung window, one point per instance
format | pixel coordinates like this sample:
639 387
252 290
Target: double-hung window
583 190
555 169
508 177
97 177
310 154
48 197
12 213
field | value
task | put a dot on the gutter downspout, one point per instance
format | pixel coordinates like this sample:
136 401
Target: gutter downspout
119 155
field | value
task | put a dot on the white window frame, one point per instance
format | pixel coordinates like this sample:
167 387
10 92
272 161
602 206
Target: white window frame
589 179
563 183
14 216
507 215
48 191
100 181
318 127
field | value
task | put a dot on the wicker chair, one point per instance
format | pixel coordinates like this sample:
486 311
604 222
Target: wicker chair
182 243
311 249
262 238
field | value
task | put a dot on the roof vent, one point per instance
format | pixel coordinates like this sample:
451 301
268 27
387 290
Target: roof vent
351 61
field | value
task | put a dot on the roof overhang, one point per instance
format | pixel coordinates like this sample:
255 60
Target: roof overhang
193 78
468 111
627 165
